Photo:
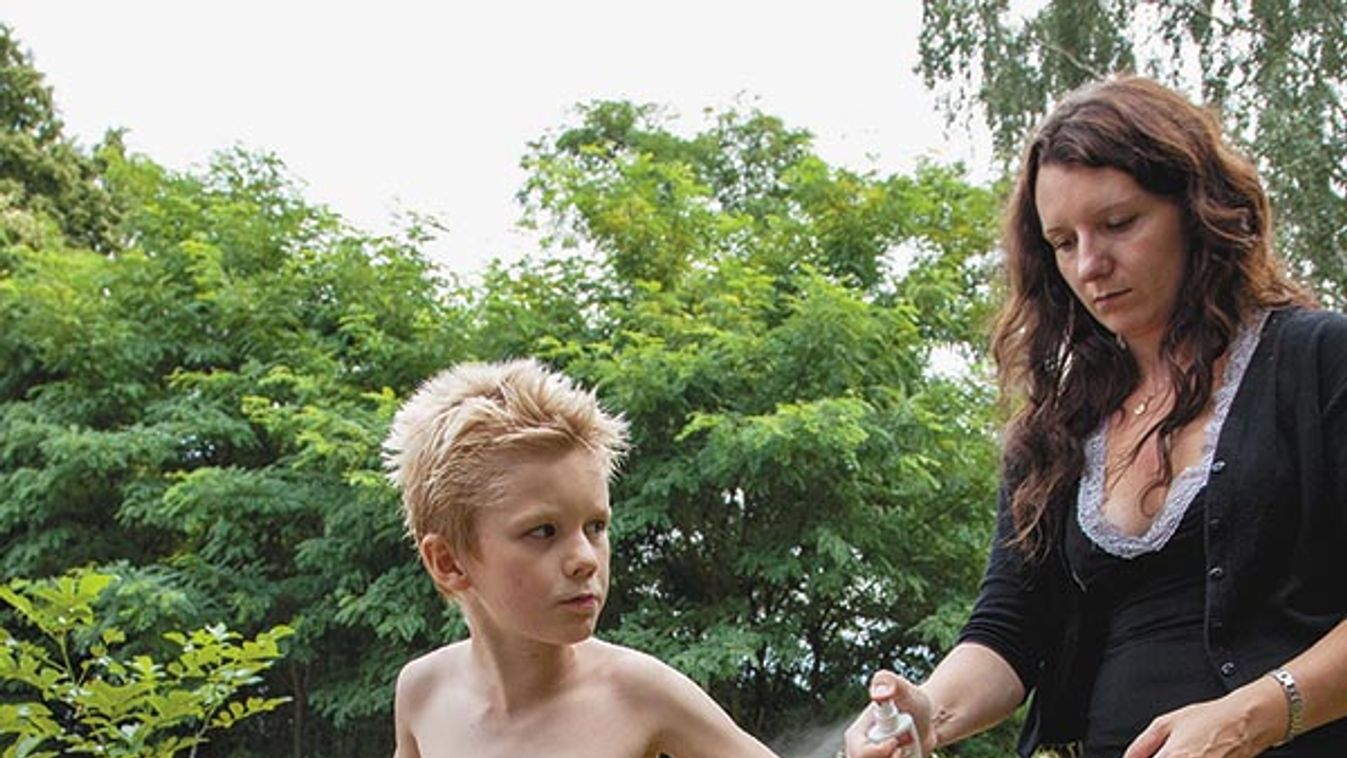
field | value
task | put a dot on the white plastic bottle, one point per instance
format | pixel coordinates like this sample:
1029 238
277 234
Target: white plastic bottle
890 722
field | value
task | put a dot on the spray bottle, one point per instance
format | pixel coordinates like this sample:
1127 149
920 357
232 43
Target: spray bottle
891 722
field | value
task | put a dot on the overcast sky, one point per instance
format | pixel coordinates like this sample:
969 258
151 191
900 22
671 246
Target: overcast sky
428 105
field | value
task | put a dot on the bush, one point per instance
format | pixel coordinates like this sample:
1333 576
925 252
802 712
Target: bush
80 692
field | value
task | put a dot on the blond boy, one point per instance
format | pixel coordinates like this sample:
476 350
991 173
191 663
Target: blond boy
504 473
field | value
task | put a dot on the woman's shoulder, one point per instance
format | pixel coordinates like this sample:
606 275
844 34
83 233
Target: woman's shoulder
1311 344
1314 325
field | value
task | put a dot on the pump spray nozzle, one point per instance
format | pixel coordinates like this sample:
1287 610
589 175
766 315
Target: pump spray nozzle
890 722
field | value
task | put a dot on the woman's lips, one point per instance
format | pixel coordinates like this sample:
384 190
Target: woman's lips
1108 298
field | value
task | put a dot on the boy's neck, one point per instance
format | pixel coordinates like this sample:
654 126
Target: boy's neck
517 673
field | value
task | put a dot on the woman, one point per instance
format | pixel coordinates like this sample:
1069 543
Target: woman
1171 543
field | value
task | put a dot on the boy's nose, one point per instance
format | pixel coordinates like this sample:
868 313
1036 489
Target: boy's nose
582 559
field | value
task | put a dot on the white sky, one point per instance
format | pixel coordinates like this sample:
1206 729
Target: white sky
428 105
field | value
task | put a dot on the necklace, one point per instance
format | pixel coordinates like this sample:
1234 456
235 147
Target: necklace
1143 406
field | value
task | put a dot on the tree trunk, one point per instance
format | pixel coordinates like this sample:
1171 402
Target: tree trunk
297 731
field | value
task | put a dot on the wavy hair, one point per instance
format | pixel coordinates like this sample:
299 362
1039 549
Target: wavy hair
1062 371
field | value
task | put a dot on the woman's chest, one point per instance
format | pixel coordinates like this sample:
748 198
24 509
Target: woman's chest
1135 489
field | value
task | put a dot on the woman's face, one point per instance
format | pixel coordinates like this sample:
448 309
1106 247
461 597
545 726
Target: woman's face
1120 248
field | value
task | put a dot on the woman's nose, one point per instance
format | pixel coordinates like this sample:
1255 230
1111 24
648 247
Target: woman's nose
1092 258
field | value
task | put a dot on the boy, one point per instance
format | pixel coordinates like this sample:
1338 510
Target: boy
504 474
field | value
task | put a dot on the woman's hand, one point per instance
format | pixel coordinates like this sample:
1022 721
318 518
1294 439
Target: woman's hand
1242 724
909 698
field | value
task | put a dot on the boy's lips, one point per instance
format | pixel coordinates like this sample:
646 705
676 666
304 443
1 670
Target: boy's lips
582 601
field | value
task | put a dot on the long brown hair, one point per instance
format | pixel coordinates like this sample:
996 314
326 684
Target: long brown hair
1060 368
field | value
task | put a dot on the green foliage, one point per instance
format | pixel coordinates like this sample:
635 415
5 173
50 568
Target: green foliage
1275 70
807 498
94 698
209 402
39 168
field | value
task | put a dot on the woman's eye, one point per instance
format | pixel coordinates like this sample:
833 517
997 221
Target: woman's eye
544 531
1119 224
1060 246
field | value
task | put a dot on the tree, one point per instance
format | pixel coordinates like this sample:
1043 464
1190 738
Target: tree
806 499
39 167
1275 70
204 408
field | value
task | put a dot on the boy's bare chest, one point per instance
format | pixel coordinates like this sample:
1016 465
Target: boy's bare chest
583 741
571 730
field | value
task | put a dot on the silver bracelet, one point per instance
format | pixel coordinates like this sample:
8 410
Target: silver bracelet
1295 721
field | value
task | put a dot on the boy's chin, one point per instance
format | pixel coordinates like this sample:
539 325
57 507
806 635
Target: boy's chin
575 632
586 631
570 637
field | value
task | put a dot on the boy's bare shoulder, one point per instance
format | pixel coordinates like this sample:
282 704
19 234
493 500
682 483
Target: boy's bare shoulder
618 660
679 717
420 675
640 677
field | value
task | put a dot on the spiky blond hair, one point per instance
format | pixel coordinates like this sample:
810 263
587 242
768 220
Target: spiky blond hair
448 443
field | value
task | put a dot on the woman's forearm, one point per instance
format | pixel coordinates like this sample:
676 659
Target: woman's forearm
972 689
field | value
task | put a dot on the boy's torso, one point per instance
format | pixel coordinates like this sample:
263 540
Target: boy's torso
592 719
582 741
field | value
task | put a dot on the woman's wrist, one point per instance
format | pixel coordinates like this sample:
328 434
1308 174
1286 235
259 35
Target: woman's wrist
1295 704
1267 710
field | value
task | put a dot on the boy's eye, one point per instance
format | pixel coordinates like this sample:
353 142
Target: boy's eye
597 527
543 531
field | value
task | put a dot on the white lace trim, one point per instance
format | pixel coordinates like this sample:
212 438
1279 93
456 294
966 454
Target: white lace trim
1184 487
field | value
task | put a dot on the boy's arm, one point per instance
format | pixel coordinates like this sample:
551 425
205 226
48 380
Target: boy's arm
690 724
402 705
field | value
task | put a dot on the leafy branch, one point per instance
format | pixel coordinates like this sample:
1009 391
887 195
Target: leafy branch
91 700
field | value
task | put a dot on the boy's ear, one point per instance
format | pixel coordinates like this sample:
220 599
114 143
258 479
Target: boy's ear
443 563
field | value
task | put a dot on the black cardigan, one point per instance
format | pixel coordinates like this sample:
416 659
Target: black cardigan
1276 539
